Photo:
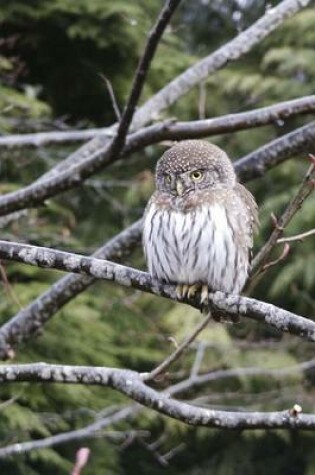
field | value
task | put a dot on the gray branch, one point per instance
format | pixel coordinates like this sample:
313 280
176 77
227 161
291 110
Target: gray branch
232 305
251 166
97 153
34 316
30 320
132 410
131 385
174 130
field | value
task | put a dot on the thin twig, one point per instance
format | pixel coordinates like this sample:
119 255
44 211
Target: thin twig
297 237
112 96
141 74
178 352
305 189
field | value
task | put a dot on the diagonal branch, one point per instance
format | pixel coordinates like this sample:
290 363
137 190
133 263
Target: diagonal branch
256 163
305 189
231 51
141 74
232 305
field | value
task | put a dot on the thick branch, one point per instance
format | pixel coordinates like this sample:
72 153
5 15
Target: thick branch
30 319
177 130
129 383
232 305
256 163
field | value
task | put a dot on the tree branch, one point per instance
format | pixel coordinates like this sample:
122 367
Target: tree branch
35 315
231 51
232 305
141 74
174 130
251 166
305 189
132 410
256 163
130 384
30 320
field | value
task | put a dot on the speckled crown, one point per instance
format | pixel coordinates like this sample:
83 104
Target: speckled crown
191 154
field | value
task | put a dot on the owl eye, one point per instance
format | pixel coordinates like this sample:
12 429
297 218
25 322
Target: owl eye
167 179
196 175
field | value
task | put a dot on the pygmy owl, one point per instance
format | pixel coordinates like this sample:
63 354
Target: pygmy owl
199 223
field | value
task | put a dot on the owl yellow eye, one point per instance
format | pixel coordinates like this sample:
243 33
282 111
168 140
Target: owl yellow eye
196 175
167 179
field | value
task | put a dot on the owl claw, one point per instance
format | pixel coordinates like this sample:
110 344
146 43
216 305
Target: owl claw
185 290
192 290
179 292
204 298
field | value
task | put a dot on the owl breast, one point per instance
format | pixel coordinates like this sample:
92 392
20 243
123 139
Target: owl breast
194 247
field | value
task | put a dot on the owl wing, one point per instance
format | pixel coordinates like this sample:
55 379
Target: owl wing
251 205
248 221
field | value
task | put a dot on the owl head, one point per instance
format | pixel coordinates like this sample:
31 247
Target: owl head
194 165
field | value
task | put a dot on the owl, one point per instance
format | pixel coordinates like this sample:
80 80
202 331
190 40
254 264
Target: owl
199 223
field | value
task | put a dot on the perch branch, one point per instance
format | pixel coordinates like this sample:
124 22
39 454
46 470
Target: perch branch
34 316
232 305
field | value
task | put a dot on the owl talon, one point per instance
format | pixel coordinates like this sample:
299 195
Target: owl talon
204 298
193 290
179 292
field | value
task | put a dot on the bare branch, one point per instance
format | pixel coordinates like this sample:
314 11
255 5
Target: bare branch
112 97
305 189
141 74
251 166
174 130
129 383
30 320
132 410
178 352
273 153
297 237
90 431
231 51
232 305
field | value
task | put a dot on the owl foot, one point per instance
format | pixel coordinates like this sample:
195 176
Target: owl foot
190 291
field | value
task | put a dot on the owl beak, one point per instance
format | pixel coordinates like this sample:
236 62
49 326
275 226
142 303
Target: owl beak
179 188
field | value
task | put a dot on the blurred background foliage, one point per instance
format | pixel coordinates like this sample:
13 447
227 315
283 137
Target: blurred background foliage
52 56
